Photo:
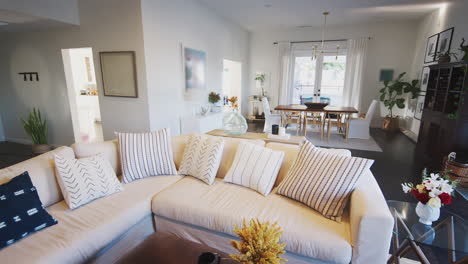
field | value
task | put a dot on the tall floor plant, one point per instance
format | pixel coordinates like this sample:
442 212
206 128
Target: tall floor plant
36 127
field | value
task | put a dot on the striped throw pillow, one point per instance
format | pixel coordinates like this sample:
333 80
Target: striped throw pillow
202 156
323 180
255 167
145 154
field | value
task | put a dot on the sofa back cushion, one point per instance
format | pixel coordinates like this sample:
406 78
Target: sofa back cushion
41 169
107 148
178 148
290 154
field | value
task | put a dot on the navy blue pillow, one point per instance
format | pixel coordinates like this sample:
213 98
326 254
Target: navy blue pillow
21 211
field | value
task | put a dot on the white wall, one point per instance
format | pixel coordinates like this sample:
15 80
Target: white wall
391 46
167 25
106 25
2 132
62 10
453 15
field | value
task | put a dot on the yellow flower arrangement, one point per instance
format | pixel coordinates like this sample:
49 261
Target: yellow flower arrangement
259 243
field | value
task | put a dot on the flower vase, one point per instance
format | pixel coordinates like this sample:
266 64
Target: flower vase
427 214
234 123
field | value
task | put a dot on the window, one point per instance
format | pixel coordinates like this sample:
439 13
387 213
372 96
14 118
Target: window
322 77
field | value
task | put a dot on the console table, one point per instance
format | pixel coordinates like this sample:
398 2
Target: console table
294 140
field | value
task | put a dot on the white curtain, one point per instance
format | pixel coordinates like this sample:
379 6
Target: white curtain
356 59
284 57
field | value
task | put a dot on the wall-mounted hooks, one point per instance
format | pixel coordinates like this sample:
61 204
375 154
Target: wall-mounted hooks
29 75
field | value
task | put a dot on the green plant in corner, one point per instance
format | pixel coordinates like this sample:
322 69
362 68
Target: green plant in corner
36 127
393 94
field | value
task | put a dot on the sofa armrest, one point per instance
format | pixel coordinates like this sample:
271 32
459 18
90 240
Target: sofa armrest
371 222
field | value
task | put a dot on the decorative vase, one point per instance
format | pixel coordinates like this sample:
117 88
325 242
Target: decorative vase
427 214
444 59
40 148
234 123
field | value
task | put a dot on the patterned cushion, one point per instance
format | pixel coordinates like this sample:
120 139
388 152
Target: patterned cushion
87 179
146 154
202 157
255 167
323 180
21 211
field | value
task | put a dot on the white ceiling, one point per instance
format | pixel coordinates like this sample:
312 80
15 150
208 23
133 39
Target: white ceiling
257 15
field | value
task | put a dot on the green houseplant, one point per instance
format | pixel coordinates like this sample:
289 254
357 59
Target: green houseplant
260 78
36 127
215 98
393 94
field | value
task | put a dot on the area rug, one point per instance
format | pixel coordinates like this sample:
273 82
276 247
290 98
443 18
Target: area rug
338 141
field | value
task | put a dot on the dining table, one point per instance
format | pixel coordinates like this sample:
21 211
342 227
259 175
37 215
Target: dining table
329 111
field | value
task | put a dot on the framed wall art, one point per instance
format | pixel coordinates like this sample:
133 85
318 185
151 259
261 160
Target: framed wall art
419 107
194 69
431 48
445 41
118 69
425 79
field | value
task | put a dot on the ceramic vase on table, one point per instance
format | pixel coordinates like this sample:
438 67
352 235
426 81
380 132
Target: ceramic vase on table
427 214
234 123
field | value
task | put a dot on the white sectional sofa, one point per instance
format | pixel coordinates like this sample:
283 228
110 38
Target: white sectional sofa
107 228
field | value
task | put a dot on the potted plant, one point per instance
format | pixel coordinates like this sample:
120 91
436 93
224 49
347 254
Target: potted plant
36 127
260 78
446 57
215 98
393 94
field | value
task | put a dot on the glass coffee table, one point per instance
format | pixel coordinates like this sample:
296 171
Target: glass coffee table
449 233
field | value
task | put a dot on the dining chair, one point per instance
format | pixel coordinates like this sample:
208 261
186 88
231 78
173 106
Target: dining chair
292 118
270 119
340 121
359 127
316 121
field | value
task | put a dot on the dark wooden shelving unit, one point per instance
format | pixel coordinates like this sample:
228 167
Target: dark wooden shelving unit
444 122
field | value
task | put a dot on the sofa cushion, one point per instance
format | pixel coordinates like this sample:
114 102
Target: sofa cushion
229 152
87 179
108 148
81 233
219 206
21 211
41 169
290 154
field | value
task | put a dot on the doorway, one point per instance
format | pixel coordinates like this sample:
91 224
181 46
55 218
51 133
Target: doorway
82 94
232 80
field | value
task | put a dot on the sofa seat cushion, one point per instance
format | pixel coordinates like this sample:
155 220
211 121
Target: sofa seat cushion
219 206
83 232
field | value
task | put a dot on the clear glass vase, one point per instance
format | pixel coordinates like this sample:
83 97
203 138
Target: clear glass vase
234 123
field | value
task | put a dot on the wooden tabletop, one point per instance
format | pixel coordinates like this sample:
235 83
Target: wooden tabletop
294 140
329 108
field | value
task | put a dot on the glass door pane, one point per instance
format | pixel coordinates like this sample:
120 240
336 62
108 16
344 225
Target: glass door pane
303 83
332 79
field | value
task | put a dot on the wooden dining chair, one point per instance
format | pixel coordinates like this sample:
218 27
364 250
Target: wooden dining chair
316 121
292 118
340 121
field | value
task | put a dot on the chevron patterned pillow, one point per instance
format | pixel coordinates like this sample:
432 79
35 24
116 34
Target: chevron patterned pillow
202 156
146 154
255 167
323 180
87 179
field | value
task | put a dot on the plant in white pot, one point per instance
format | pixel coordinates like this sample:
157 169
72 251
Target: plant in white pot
434 191
215 99
260 78
36 127
393 94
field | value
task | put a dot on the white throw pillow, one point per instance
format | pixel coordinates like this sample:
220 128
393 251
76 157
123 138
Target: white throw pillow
87 179
255 167
146 154
323 180
202 157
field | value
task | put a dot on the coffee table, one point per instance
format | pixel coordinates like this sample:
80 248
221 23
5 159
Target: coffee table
168 249
449 234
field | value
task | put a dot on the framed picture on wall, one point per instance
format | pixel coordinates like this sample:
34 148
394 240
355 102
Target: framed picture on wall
431 48
194 69
445 41
425 79
118 69
419 107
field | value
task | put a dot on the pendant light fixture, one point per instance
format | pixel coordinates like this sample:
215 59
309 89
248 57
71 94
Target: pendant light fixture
316 51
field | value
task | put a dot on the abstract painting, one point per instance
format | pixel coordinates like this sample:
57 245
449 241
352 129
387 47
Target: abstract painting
194 69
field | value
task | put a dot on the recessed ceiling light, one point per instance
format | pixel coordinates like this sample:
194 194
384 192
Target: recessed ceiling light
3 23
267 5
